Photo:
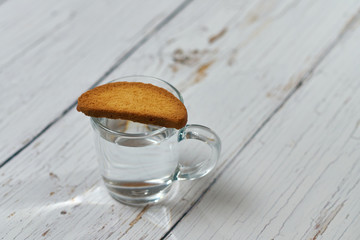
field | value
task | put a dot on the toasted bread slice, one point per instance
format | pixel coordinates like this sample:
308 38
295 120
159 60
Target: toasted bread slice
135 101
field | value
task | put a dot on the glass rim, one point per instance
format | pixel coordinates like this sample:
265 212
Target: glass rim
97 123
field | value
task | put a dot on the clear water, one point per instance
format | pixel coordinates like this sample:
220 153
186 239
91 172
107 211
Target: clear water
136 170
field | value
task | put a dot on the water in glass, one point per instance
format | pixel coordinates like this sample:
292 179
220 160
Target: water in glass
140 168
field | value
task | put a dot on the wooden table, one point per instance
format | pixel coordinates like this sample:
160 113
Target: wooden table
279 81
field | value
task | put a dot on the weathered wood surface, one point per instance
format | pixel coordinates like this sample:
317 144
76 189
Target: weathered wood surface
51 51
236 60
299 177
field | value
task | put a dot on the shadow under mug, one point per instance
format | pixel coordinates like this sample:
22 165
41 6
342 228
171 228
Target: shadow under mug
139 162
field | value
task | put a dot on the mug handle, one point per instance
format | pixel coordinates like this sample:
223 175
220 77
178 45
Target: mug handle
204 134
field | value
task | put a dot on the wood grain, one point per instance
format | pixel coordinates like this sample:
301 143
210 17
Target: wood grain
243 77
299 177
58 50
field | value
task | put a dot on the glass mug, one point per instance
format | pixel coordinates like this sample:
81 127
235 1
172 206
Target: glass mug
139 162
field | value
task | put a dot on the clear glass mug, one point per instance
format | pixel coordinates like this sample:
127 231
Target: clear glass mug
139 162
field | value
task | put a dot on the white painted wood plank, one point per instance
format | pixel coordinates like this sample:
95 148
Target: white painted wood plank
259 62
60 166
54 50
299 178
23 26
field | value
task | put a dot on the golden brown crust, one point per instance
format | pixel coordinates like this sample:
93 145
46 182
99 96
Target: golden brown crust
135 101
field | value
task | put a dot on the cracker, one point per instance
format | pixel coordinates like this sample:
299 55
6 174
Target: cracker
135 101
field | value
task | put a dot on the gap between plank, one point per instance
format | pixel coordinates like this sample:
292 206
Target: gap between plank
120 61
347 27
